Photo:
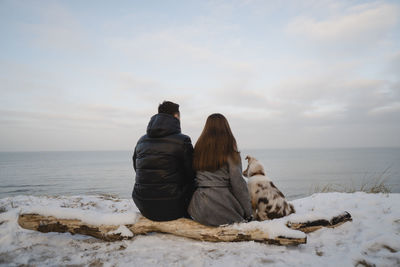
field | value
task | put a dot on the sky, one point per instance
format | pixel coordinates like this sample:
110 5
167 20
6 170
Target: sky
88 75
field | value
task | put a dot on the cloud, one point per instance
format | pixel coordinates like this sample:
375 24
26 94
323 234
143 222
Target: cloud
393 66
390 108
55 27
361 24
197 45
85 128
274 90
25 78
323 109
87 117
333 99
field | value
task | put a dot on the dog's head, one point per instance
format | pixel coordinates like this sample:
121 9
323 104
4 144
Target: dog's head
254 167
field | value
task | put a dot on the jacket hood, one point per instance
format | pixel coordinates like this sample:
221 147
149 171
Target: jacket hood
162 125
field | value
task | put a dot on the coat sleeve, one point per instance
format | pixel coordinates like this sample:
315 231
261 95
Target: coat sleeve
188 164
239 187
189 173
134 159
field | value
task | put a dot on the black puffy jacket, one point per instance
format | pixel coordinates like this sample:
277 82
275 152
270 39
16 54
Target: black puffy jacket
164 175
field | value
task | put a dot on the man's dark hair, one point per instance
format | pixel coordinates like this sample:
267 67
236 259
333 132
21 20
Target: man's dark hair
168 107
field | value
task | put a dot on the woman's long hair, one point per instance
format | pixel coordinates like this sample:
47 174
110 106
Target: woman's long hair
215 145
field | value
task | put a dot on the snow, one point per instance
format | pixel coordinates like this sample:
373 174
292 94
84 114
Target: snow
123 231
273 228
372 238
90 209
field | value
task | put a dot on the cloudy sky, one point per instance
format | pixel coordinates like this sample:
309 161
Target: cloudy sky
88 75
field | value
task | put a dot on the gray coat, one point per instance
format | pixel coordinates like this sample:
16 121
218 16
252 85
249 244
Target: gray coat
221 196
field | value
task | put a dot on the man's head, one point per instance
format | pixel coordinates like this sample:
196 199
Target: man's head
170 108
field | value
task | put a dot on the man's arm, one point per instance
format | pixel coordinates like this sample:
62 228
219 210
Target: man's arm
134 159
188 167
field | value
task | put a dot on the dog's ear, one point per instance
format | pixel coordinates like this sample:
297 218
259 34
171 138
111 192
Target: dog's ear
247 158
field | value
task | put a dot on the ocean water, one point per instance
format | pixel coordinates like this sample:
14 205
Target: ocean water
296 172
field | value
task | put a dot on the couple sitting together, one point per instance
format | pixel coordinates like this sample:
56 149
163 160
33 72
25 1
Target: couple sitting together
173 180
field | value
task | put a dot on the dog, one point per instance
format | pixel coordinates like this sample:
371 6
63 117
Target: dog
267 201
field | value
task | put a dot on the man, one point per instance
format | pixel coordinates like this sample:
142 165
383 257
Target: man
163 164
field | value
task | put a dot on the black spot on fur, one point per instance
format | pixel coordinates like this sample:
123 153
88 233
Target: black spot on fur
277 190
263 199
274 214
257 191
263 187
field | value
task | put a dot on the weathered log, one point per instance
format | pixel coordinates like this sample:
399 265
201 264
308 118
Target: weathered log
311 226
191 229
181 227
46 224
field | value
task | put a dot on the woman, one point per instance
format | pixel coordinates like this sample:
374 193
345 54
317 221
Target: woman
221 196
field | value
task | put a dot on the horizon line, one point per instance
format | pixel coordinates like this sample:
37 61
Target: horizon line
266 148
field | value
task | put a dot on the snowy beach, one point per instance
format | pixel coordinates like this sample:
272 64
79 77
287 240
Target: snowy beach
104 104
372 238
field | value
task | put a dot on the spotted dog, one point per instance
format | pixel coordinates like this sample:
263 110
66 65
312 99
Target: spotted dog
266 200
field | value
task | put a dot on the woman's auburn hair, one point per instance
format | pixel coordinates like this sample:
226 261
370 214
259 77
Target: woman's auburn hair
215 145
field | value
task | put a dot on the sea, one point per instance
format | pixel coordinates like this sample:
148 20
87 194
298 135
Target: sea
296 172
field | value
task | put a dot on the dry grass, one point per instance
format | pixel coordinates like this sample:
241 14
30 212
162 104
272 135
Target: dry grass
372 184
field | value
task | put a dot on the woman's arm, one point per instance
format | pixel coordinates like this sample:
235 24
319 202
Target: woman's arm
239 187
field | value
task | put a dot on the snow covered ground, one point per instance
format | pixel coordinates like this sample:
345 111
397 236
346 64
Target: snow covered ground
373 238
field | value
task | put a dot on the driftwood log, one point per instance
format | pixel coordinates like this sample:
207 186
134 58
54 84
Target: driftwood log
181 227
311 226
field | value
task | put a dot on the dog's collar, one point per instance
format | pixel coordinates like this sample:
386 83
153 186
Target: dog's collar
258 173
